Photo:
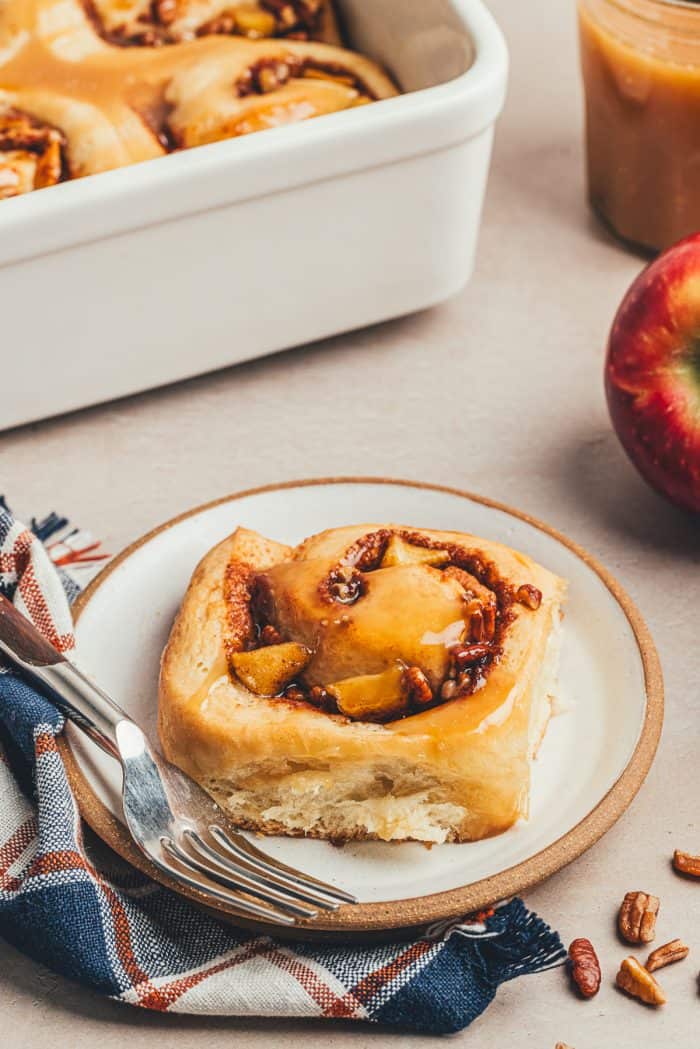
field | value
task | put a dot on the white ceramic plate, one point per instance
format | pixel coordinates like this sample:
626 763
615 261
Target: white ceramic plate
594 758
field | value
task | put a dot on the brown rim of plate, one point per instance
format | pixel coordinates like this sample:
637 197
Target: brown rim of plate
370 919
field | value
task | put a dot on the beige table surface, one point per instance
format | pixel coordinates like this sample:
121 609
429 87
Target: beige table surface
498 391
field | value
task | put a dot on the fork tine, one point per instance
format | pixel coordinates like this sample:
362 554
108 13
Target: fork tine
241 904
249 869
243 849
240 882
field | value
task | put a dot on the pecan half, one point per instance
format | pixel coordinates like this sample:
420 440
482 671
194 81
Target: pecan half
686 863
529 596
464 656
584 967
416 684
481 621
667 954
471 585
637 981
481 604
637 918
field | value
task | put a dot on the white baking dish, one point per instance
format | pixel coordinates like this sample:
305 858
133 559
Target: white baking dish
133 278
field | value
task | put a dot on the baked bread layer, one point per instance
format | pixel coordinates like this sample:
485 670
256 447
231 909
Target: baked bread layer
459 771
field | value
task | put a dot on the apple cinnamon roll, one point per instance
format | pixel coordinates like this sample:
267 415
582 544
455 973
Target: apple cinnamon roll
254 86
372 682
46 138
72 104
152 23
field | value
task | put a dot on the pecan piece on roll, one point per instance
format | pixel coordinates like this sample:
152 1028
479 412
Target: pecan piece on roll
464 656
481 604
416 683
529 596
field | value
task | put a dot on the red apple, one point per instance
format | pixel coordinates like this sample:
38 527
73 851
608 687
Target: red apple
653 373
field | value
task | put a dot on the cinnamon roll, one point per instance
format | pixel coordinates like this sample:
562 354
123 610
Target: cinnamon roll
155 22
254 86
375 682
46 138
73 104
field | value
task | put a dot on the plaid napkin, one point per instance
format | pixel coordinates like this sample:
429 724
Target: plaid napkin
70 903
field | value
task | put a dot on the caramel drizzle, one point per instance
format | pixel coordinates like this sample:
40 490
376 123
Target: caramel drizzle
489 611
489 601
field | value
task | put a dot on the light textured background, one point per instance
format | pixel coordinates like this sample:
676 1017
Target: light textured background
499 391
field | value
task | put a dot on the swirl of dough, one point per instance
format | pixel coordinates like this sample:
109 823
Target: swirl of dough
267 84
368 712
46 138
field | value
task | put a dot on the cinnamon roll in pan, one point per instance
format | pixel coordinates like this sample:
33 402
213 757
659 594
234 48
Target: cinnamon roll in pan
149 23
88 106
255 86
87 139
375 682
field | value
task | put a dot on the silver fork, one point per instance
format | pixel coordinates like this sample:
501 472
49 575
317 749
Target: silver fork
173 821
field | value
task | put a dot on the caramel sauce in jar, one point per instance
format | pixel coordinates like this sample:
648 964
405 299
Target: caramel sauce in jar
641 72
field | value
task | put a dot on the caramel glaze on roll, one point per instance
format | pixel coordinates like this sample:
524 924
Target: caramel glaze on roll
373 682
73 104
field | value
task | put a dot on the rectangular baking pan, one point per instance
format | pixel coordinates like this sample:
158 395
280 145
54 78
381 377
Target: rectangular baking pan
141 276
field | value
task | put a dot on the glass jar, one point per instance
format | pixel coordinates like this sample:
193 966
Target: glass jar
641 72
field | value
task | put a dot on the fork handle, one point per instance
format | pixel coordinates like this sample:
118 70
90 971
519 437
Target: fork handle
79 699
72 691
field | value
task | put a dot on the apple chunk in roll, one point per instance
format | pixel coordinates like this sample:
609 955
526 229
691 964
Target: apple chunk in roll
374 682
